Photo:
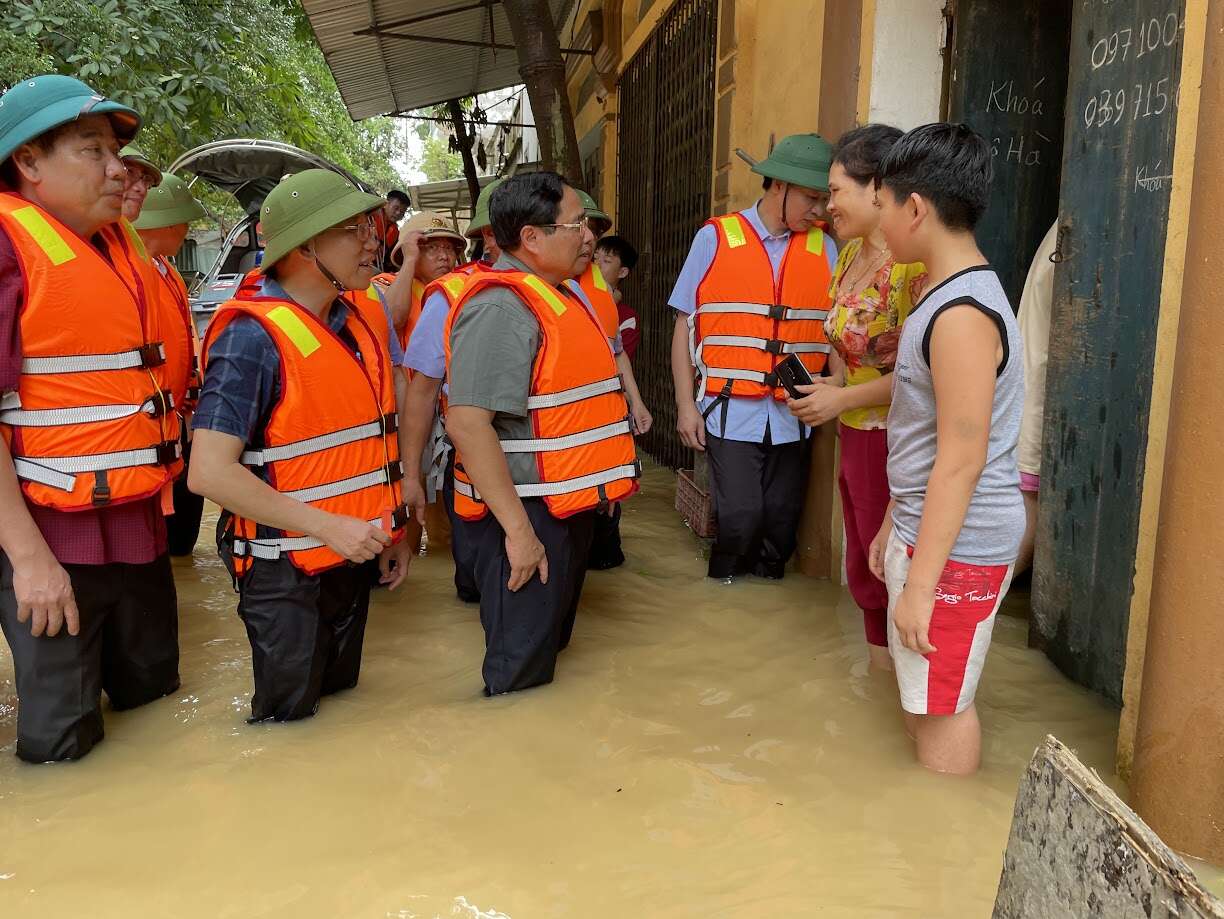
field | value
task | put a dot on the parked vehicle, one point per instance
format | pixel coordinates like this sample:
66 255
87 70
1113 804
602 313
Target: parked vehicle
248 169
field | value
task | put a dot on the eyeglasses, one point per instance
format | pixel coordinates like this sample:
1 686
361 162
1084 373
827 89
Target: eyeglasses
580 225
138 175
364 230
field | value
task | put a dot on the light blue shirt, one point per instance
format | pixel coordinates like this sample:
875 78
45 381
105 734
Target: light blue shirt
425 352
747 419
397 354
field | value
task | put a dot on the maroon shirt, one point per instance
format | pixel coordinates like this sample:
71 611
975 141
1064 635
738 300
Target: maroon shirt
628 327
133 533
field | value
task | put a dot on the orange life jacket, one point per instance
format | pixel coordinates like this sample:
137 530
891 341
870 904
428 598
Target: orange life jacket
330 441
583 447
746 322
383 281
451 285
92 420
597 293
181 338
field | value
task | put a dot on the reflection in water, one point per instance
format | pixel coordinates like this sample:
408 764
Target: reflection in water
705 751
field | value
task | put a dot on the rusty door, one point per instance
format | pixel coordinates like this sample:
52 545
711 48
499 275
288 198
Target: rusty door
663 190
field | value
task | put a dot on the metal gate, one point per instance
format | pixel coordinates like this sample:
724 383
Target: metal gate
664 173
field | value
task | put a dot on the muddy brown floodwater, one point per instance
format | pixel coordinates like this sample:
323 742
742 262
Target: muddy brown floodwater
705 751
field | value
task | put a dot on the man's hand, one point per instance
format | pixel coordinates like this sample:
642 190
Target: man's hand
642 419
879 545
691 426
407 250
912 617
823 401
44 596
526 555
393 564
354 539
414 498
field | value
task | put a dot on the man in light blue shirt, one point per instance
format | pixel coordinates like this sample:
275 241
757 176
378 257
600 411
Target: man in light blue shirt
756 448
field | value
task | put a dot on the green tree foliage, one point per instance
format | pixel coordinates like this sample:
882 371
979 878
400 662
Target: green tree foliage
199 70
438 162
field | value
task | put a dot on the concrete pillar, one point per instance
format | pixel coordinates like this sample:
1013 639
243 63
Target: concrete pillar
1178 772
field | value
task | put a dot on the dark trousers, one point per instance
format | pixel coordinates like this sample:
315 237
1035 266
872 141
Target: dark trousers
306 633
461 552
758 498
525 629
606 549
183 526
127 647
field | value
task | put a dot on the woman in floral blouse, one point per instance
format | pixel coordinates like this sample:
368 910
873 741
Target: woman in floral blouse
871 297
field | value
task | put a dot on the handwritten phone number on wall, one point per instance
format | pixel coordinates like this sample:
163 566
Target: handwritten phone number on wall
1148 100
1150 37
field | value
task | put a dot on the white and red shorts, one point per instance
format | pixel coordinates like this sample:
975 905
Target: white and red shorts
967 599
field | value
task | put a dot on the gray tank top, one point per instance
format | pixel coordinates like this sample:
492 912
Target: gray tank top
994 523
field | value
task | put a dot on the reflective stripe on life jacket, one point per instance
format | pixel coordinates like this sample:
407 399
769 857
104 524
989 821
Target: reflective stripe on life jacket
583 444
181 339
746 322
91 422
330 441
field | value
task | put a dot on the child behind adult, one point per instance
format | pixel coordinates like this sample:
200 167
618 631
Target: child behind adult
616 258
947 549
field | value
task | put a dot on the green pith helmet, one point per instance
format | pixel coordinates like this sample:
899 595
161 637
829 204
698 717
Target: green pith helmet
480 216
130 154
35 106
304 205
600 222
168 205
800 159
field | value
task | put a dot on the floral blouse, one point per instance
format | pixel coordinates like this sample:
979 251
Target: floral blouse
865 327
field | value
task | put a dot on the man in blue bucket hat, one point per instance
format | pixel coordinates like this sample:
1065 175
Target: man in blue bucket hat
88 433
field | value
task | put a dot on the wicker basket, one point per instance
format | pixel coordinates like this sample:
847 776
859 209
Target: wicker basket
695 506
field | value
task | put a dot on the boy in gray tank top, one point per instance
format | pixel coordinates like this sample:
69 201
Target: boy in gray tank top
947 548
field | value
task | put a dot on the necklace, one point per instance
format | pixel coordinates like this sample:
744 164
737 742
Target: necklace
865 269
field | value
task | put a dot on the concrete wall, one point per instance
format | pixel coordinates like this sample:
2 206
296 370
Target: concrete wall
906 64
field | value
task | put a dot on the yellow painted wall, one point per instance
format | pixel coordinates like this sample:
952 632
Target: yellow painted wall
776 85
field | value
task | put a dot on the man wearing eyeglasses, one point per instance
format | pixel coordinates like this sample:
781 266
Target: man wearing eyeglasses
541 429
753 291
296 438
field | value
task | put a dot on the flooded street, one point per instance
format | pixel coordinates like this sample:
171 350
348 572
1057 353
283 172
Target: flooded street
705 751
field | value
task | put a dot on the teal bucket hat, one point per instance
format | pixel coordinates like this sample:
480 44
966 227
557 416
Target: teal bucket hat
800 159
37 105
304 205
168 205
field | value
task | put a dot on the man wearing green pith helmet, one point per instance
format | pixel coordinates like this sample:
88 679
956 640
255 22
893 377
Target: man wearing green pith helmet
295 436
753 292
162 223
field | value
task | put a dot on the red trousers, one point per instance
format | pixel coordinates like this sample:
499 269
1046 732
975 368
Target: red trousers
863 479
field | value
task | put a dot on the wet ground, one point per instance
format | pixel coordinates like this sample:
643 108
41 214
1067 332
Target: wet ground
705 751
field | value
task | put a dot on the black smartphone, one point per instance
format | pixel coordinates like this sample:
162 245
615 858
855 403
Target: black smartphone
792 374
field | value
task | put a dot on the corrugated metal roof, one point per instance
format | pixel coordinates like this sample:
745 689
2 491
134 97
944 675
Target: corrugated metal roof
450 196
378 75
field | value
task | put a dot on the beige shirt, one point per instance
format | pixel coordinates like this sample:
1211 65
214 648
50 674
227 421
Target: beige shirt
1034 320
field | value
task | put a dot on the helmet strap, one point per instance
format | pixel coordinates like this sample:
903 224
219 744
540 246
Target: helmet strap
340 288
